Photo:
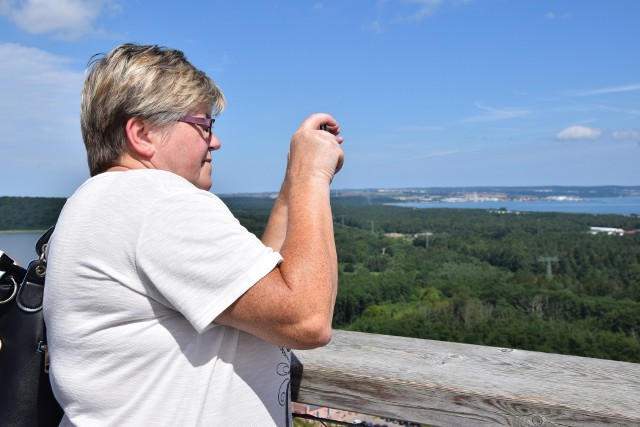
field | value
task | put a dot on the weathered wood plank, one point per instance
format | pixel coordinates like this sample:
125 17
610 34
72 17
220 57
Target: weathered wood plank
452 384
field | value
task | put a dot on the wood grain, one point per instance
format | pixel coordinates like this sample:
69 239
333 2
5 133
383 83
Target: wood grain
452 384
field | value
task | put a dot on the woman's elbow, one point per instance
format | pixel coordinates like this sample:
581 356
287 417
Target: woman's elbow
317 334
322 338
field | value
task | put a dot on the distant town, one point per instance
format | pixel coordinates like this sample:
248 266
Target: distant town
480 194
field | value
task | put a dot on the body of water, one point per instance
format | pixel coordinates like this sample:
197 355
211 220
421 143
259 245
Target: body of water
599 205
20 246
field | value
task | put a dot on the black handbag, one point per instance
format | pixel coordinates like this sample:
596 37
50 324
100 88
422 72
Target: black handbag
26 398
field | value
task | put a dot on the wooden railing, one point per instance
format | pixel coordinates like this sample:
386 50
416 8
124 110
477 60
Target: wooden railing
451 384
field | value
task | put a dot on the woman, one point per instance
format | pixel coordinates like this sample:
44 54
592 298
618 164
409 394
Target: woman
161 308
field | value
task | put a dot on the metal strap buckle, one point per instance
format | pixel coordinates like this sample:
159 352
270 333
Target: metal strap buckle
13 294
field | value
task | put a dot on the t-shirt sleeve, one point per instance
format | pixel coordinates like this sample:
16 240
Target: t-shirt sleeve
198 257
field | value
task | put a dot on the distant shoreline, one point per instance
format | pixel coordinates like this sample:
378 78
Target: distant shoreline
626 206
586 191
22 231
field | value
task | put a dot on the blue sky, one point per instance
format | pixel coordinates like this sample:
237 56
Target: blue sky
429 93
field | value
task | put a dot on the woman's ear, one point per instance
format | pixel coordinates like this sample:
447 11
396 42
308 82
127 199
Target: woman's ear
140 140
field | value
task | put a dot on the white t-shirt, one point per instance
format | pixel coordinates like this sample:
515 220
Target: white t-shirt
139 266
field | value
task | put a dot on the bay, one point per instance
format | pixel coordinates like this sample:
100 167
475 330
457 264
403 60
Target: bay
20 246
596 205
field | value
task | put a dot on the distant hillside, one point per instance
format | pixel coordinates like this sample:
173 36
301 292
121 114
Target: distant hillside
509 192
29 213
39 213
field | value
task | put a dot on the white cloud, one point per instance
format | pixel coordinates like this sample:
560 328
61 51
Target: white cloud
615 89
626 134
66 19
439 154
40 140
413 10
424 8
491 114
551 16
578 132
32 79
375 26
633 112
419 128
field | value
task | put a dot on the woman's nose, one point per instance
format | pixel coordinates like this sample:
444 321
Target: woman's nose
214 143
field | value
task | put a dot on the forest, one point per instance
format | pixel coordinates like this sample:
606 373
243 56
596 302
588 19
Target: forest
533 281
480 278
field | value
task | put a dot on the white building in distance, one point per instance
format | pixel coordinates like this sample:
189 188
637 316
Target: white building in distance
606 230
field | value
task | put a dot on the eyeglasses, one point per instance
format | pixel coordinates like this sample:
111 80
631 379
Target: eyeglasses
206 122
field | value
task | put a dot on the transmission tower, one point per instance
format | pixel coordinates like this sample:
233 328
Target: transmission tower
426 239
548 260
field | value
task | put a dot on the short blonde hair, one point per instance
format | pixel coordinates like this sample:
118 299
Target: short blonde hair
150 82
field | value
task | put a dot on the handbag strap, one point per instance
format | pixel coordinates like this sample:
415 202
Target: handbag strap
31 290
11 275
41 250
7 264
18 282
